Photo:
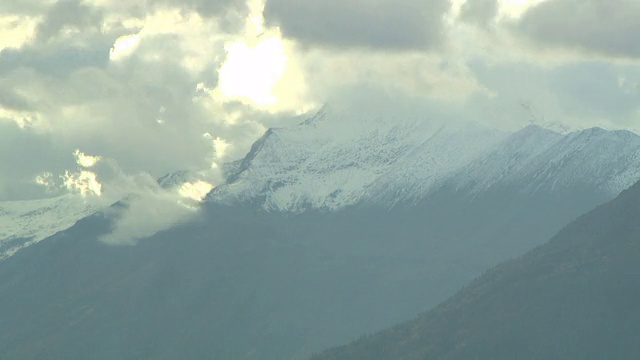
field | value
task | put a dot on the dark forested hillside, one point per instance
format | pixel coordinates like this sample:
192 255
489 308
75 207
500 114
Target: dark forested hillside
576 297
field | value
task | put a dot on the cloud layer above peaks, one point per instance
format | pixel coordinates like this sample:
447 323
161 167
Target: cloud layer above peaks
165 85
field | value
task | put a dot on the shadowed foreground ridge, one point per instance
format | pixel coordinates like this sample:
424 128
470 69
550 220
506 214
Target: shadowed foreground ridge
576 297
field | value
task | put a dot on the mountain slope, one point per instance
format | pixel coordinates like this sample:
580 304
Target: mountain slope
241 282
23 223
331 161
576 297
335 160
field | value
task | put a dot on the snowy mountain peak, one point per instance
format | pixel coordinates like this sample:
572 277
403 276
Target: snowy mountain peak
343 160
23 223
533 130
608 161
174 179
319 116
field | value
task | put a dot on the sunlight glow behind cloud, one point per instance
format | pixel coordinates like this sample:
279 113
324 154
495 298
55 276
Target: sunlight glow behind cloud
124 46
16 31
514 9
84 160
196 191
251 72
233 70
84 182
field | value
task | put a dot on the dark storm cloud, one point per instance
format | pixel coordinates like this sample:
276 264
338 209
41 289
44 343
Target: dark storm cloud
383 24
608 27
479 12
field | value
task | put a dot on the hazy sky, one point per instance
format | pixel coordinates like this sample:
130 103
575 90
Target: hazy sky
152 86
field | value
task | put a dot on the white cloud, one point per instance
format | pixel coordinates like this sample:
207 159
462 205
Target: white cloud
220 148
17 30
261 69
47 180
24 119
84 182
151 209
84 160
124 46
99 84
251 72
196 191
147 213
514 9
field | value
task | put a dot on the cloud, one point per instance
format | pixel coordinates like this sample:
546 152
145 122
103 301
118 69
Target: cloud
148 206
261 69
605 27
124 46
66 17
83 182
84 160
140 82
206 7
418 75
574 95
252 72
144 215
196 191
481 12
80 181
12 101
47 180
379 24
16 30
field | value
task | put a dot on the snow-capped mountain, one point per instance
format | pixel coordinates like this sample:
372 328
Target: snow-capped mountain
535 158
332 161
451 200
24 223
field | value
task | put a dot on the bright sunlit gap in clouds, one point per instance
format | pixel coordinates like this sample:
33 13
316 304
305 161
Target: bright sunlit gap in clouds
251 72
260 70
507 9
124 46
515 8
85 160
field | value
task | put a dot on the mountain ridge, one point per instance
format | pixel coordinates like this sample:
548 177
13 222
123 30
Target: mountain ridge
575 297
314 165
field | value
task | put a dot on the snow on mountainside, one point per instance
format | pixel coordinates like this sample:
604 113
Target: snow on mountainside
535 158
23 223
608 160
332 161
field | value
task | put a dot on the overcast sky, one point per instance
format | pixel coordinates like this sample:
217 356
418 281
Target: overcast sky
152 86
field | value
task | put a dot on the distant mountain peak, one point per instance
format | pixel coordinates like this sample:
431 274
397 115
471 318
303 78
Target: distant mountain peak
24 223
532 129
334 159
318 116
